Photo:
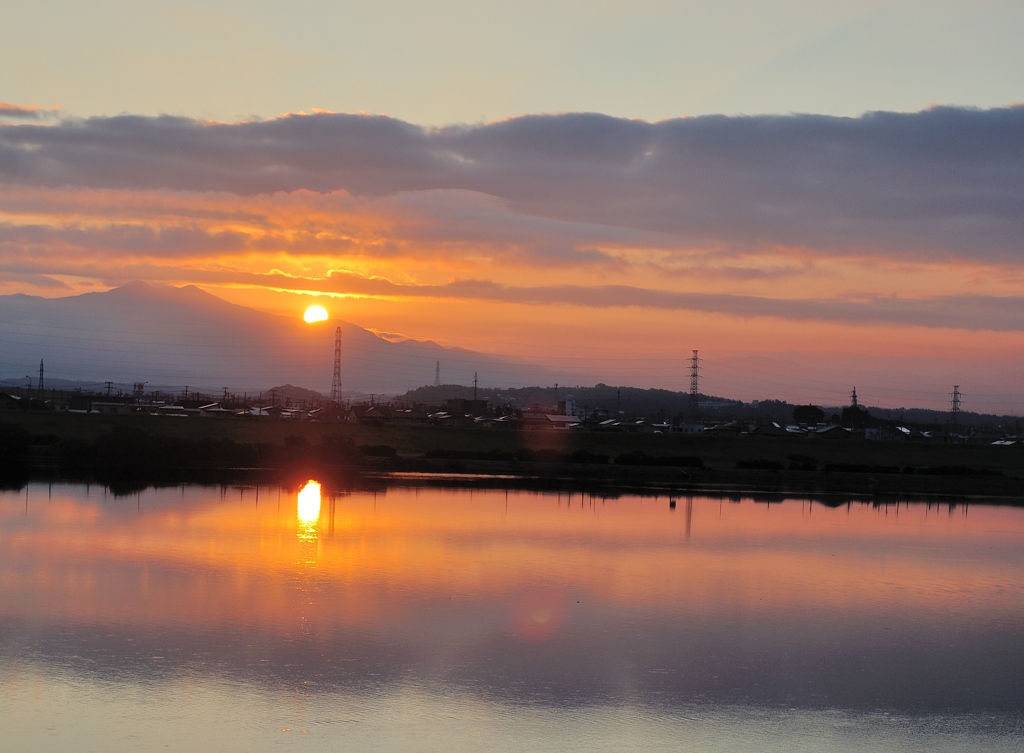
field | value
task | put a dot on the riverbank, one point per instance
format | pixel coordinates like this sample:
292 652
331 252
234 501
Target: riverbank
129 451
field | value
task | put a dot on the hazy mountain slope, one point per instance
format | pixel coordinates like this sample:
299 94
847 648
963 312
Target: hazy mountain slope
185 336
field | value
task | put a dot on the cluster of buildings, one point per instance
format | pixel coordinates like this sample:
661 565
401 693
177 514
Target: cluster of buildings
881 433
463 412
77 402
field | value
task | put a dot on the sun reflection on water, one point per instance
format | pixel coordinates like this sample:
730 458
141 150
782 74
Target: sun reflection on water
309 508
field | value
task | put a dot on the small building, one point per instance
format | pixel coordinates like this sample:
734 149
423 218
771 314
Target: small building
461 405
771 429
329 412
410 417
535 420
112 406
266 411
10 402
729 427
563 422
372 415
215 410
832 431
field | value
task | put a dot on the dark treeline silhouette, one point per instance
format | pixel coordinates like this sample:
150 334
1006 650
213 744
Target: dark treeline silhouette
578 457
604 400
597 401
808 414
128 458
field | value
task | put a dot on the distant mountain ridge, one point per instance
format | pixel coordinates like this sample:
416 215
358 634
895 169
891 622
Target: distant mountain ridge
174 337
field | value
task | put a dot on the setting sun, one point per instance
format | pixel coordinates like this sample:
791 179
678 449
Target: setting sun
315 314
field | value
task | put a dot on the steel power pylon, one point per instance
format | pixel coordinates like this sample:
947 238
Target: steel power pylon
954 405
336 379
694 382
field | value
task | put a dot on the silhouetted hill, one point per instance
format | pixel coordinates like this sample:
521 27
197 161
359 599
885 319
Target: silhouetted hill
171 337
295 394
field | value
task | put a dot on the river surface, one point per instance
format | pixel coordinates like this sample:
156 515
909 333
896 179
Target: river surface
243 619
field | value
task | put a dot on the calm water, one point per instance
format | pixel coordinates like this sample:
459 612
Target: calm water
208 619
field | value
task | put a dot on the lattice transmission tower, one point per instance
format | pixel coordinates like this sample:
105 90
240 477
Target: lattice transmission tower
954 405
336 379
694 382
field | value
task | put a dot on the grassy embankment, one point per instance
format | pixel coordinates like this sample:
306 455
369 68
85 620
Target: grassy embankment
543 458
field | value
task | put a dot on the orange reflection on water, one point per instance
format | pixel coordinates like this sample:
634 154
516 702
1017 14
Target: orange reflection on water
236 556
308 509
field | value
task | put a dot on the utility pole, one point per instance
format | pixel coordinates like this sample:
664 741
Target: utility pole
437 374
40 378
954 405
694 383
474 386
111 384
336 378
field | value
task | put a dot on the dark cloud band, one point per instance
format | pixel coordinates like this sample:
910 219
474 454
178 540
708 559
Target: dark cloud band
940 183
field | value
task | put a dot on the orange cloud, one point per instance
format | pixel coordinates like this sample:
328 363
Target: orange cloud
586 237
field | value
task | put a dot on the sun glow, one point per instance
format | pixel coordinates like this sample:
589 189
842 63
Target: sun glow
315 314
309 503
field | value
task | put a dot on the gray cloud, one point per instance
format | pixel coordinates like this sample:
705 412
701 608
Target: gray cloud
969 312
449 223
132 239
26 112
940 183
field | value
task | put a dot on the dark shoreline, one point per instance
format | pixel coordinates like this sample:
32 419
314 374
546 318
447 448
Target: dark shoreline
825 489
128 454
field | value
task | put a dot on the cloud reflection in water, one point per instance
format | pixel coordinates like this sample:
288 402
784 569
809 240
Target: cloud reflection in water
915 610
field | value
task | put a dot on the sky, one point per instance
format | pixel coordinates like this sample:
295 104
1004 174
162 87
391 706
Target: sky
817 196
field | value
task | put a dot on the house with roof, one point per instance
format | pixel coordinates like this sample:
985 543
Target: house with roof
215 410
832 431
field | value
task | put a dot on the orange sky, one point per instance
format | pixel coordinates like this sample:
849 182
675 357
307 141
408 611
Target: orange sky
818 280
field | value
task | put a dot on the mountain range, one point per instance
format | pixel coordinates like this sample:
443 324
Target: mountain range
174 337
